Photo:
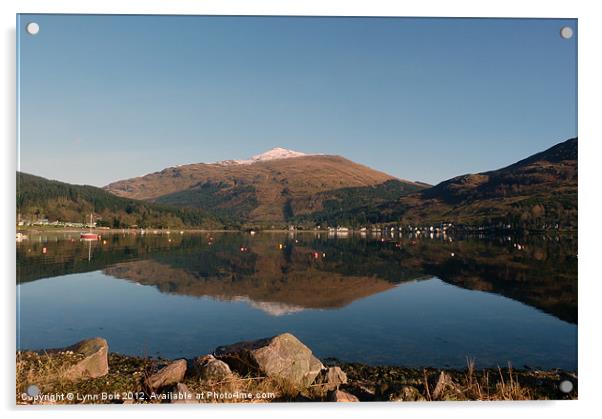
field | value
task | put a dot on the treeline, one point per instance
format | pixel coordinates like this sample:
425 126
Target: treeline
351 207
40 198
548 213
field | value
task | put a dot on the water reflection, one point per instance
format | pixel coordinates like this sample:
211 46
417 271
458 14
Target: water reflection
412 301
284 273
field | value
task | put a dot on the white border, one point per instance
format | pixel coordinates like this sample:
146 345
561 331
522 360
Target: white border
590 68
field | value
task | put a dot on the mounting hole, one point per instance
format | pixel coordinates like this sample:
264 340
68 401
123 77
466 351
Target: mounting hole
33 390
565 386
32 28
566 32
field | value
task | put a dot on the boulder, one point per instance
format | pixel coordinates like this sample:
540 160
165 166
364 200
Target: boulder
444 382
184 395
331 378
281 357
95 361
407 394
168 375
342 396
210 368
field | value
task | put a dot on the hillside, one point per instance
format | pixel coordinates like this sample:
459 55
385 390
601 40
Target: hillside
274 187
283 187
539 191
39 198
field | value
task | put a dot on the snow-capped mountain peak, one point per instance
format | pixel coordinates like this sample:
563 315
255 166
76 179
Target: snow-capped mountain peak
276 153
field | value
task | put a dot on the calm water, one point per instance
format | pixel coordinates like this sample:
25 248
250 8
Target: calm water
404 301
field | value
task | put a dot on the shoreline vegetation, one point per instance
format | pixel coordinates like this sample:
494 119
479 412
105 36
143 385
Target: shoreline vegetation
276 369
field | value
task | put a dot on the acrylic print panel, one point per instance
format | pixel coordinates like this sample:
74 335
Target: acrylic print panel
283 209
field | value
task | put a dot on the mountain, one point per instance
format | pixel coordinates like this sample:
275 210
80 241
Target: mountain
39 198
539 191
283 187
271 188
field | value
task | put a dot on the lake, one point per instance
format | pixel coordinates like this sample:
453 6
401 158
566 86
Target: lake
386 300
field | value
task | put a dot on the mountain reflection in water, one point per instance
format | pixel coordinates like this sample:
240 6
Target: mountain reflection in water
282 274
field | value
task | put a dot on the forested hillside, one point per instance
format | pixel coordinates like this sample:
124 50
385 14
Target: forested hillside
39 198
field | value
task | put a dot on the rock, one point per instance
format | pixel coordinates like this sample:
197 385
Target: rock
184 395
341 396
167 376
331 378
94 364
443 382
407 394
209 368
281 357
363 391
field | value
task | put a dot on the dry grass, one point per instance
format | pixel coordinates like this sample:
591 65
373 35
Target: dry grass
45 370
503 385
127 374
130 374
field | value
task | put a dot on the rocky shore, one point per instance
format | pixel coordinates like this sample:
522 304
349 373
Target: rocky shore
276 369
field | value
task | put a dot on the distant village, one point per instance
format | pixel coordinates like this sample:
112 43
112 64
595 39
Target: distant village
436 229
441 228
45 223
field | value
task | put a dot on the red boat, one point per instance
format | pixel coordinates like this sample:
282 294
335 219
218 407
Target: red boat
89 236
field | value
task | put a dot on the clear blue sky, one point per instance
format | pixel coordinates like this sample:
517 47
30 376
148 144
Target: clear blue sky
111 97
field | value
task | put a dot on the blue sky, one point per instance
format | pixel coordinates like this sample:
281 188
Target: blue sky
104 98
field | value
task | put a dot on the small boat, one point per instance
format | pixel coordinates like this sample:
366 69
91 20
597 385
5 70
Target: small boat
21 236
89 235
